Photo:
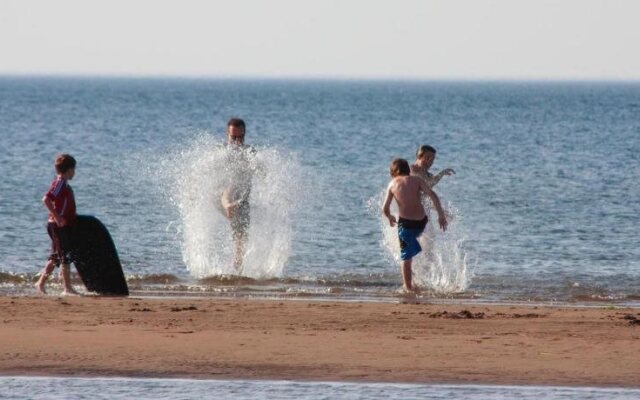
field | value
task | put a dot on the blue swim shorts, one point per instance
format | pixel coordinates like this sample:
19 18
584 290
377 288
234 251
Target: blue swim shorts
408 232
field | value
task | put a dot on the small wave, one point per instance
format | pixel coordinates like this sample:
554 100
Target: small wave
605 298
359 281
228 280
10 278
152 279
597 298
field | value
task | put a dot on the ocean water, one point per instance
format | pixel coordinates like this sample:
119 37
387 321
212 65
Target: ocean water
118 388
545 202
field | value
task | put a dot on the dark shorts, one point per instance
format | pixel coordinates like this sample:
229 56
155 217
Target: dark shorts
408 232
60 244
240 221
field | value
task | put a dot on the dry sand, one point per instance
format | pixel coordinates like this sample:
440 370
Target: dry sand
315 340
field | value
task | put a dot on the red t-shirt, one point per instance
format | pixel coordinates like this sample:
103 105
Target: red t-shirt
61 194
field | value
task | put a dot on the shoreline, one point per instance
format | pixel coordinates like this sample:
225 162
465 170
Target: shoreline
56 292
320 340
397 299
316 381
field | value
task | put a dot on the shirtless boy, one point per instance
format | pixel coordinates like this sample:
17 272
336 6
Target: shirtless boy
407 190
425 156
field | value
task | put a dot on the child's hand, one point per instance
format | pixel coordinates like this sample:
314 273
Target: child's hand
448 171
60 221
392 220
442 220
230 210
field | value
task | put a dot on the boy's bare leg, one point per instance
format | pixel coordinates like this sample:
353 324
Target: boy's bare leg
65 271
407 275
238 256
44 275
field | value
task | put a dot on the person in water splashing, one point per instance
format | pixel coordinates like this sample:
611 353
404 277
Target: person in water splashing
425 156
407 191
235 197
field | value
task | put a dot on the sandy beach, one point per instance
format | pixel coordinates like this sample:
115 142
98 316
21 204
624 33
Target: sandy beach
317 340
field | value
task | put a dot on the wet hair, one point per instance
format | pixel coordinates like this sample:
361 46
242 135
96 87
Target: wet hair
236 122
399 167
64 162
423 149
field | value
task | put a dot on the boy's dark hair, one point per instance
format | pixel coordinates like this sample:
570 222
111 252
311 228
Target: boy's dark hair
64 162
423 149
399 167
237 122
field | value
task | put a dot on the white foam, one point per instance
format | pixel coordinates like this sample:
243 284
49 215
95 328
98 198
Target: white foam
207 245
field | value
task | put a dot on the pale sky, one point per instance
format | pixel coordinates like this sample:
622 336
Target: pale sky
362 39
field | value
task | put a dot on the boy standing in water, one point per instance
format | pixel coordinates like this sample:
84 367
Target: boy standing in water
235 198
406 190
60 202
425 156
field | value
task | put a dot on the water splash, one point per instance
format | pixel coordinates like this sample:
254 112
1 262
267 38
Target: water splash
207 246
442 266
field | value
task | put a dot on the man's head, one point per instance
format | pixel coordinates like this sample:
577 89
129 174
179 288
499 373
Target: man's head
65 166
399 167
235 131
425 156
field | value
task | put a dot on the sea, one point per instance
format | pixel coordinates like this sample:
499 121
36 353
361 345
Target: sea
544 205
543 208
37 388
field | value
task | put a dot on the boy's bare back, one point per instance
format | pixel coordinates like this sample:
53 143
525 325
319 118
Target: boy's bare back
406 191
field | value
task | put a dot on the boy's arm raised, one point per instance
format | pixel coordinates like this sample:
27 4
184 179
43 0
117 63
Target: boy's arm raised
442 219
436 178
386 208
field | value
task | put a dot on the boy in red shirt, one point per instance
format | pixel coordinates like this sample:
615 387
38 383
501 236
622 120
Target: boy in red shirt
61 204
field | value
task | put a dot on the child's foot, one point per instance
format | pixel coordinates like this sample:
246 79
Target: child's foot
70 292
410 290
40 288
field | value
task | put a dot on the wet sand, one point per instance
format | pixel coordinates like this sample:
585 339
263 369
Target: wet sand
317 340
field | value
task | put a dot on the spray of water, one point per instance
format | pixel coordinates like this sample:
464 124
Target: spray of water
205 169
441 267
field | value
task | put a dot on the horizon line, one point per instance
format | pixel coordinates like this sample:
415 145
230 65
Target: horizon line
336 78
